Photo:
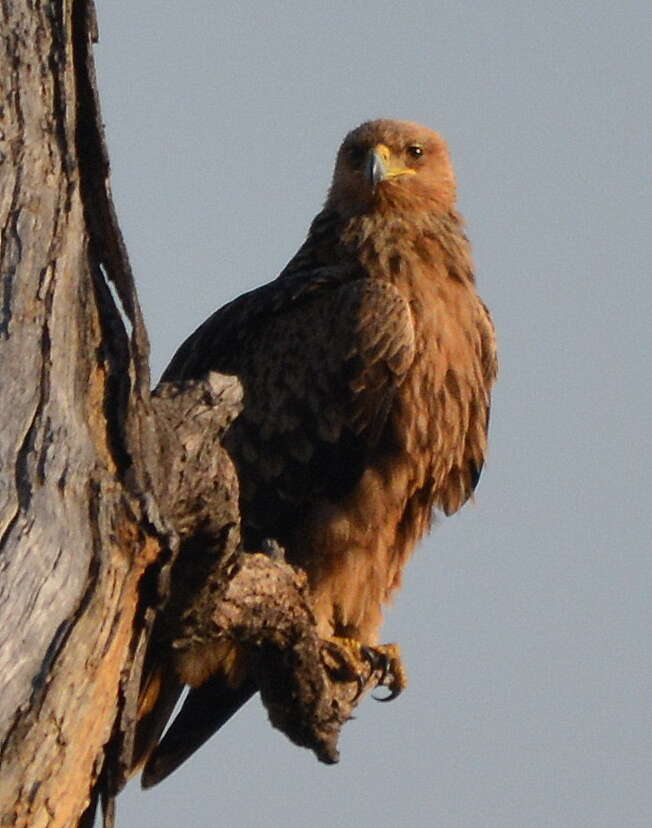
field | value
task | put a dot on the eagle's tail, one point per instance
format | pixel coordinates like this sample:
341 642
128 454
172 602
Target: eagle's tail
204 711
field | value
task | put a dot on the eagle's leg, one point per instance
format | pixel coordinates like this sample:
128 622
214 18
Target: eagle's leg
351 660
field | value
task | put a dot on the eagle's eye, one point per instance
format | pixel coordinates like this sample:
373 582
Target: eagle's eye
415 150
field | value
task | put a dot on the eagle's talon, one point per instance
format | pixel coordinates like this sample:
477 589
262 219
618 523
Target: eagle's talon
394 691
344 663
358 662
361 686
378 660
393 677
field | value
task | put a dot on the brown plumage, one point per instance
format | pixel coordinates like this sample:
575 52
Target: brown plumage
367 367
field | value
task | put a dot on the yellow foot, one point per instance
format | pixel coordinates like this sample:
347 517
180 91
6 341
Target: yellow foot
350 660
393 674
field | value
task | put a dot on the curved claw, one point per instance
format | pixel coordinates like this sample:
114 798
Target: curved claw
394 691
387 660
383 660
377 660
361 685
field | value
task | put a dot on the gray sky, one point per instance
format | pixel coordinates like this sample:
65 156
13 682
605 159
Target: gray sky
525 619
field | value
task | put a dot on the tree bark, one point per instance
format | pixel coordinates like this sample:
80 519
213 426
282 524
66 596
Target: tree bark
77 527
104 487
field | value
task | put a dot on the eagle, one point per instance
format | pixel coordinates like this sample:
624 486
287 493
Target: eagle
367 367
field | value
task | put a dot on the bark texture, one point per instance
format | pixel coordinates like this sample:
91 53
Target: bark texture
76 526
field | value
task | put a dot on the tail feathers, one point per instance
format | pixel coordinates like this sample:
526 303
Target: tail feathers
204 711
156 705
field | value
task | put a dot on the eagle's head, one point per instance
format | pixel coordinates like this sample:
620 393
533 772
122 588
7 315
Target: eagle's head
387 165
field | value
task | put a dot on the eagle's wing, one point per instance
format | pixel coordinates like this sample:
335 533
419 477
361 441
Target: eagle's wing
320 356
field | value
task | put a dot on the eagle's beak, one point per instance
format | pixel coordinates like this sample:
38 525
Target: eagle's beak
381 166
377 165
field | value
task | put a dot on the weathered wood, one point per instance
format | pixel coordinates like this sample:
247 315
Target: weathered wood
73 401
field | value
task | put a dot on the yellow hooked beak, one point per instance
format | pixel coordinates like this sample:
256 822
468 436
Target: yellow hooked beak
382 166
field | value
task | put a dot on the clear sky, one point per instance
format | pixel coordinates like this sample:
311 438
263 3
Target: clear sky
525 620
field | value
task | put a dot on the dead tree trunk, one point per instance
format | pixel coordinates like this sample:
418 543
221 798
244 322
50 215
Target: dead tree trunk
99 481
77 528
